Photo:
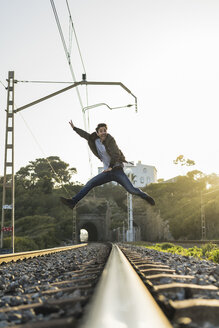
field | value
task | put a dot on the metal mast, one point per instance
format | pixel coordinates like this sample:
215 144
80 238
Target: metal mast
8 182
203 223
8 203
74 227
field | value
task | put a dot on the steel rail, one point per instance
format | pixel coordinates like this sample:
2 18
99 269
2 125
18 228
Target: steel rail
122 300
25 255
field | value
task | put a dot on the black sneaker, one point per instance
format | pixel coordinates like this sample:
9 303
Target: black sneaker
68 202
149 199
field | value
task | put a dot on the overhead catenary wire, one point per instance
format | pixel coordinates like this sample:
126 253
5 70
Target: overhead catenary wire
53 170
65 49
104 104
41 149
71 68
3 84
26 81
76 39
70 33
80 54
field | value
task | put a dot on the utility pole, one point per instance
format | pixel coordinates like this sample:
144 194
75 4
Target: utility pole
203 222
8 182
131 237
203 218
74 226
130 234
8 198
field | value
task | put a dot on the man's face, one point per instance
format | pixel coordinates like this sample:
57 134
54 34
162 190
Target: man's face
102 133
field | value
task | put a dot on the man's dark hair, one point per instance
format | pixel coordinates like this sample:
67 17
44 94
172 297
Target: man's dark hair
101 125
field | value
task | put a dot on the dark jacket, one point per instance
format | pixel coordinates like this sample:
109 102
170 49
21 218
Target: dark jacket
110 144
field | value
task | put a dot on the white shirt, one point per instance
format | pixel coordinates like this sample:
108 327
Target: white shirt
105 158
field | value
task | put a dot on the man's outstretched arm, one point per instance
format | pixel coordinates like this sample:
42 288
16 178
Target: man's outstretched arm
81 132
72 125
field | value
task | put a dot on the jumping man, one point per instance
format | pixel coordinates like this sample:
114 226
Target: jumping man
104 146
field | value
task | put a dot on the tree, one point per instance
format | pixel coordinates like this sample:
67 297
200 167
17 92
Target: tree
195 174
213 179
183 161
45 174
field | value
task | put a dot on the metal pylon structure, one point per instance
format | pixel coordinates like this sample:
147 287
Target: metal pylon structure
8 196
203 222
74 227
8 180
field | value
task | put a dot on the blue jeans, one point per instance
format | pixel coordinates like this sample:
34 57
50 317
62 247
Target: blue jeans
117 175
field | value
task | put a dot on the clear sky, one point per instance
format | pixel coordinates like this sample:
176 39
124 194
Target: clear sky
165 51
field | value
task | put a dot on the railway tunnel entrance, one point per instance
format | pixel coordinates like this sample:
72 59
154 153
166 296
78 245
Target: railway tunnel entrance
95 222
94 225
91 229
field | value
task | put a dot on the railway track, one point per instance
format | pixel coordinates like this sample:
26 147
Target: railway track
188 300
28 255
77 288
51 289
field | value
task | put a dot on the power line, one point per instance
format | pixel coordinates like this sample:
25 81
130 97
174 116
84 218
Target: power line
70 33
41 149
104 104
72 24
82 62
26 81
70 65
66 50
3 84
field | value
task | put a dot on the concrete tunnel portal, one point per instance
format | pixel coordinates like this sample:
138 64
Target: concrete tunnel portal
91 230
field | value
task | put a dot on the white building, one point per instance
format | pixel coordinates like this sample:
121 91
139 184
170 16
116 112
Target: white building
142 174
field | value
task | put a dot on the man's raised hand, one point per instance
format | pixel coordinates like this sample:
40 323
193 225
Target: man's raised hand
72 125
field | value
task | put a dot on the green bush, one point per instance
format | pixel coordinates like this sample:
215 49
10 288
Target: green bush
208 247
43 230
21 244
196 252
208 251
166 245
214 256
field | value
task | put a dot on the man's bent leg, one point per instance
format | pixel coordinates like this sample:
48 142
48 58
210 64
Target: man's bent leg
123 180
98 180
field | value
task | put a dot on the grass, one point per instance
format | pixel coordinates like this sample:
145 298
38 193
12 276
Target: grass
207 251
